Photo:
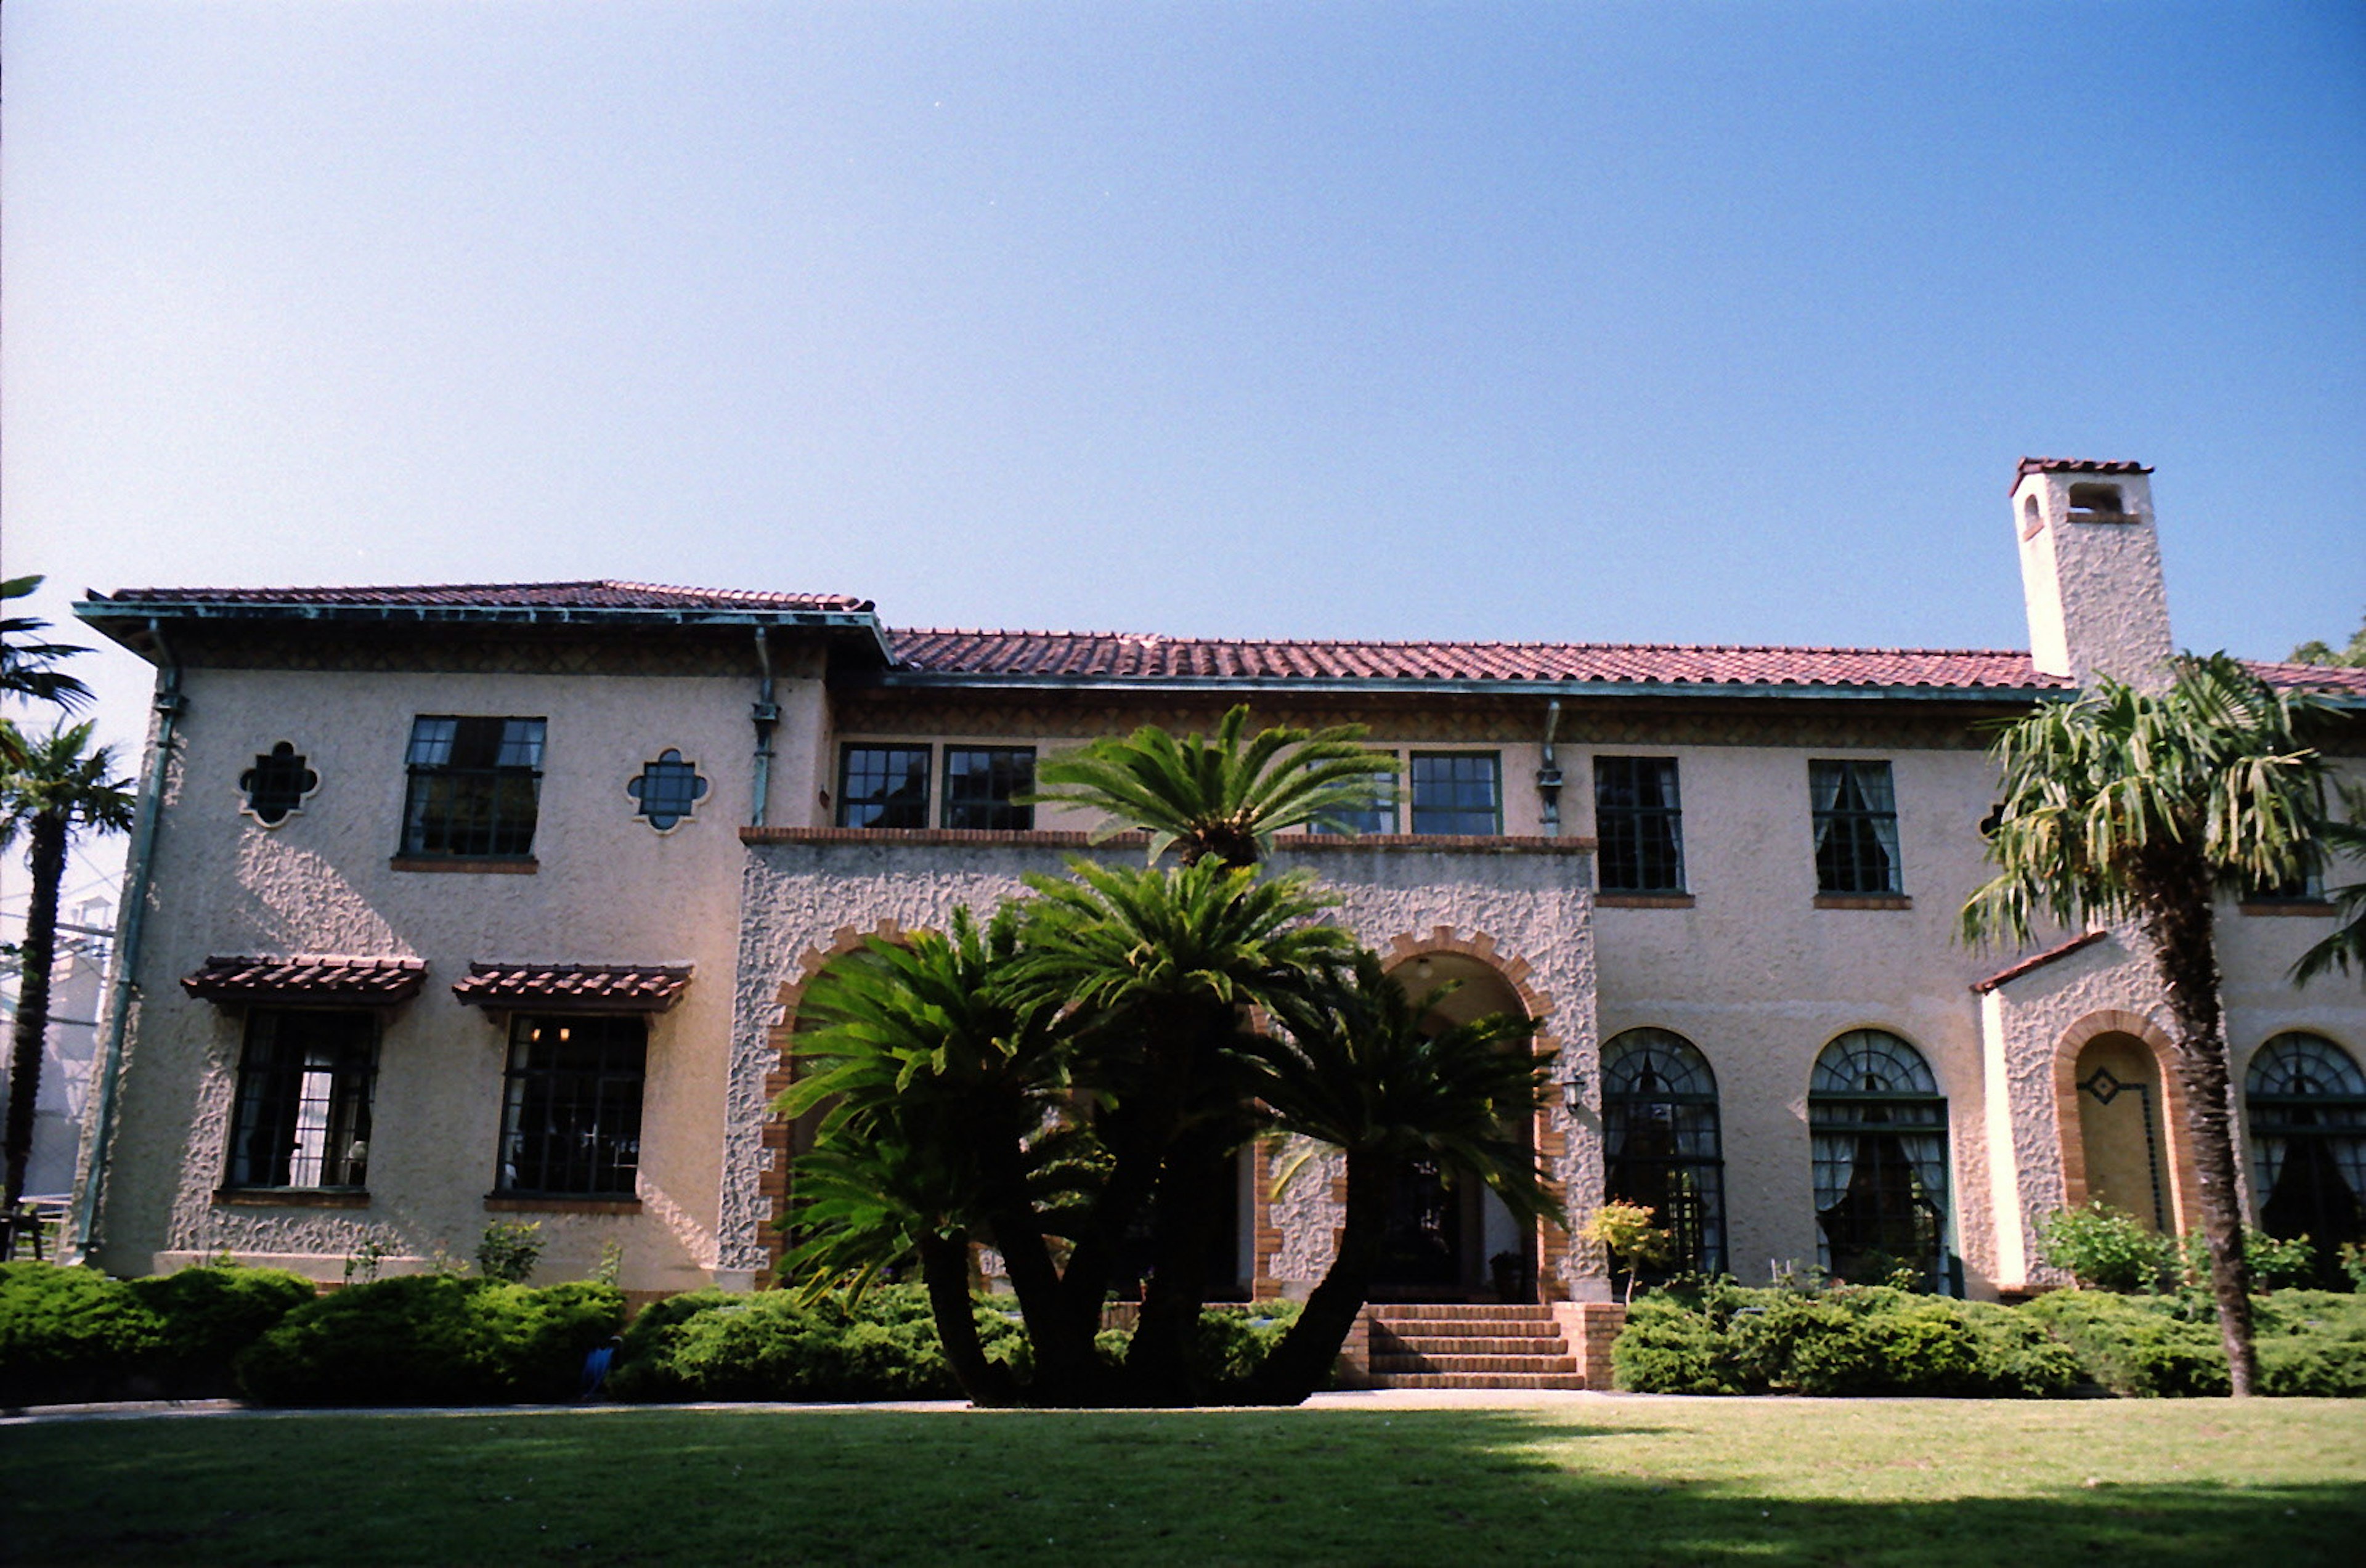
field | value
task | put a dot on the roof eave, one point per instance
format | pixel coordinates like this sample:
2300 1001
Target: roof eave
1417 685
127 622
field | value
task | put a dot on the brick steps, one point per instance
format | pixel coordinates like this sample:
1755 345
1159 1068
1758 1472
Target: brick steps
1470 1345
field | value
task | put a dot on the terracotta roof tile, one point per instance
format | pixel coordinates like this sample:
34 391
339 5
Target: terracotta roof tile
308 976
2074 466
581 987
591 595
2334 680
2038 960
1123 657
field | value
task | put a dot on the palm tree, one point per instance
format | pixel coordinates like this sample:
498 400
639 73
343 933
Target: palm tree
24 665
1159 970
934 1086
2131 806
49 787
2347 944
1219 797
1363 1067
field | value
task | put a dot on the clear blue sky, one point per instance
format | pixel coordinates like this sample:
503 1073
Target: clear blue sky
1644 322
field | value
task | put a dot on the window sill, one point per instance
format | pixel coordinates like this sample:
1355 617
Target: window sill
291 1198
1864 901
2304 906
1642 900
528 1204
514 865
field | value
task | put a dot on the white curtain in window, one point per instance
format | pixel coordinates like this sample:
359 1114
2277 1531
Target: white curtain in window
1880 795
1824 792
2270 1152
1928 1153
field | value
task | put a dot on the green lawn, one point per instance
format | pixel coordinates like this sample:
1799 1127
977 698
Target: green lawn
1769 1481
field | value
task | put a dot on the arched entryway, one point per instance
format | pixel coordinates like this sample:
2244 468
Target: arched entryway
2122 1137
1449 1237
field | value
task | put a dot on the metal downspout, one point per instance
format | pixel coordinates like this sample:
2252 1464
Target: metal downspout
1548 775
137 872
766 715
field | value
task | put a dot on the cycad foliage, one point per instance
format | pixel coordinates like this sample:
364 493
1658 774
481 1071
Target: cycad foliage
1221 797
2126 805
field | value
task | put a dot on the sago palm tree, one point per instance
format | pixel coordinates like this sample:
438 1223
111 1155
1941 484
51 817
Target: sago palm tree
1223 796
1363 1067
932 1087
52 788
2130 806
1159 969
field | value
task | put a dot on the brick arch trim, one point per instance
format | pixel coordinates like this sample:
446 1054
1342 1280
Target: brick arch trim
773 1178
2184 1182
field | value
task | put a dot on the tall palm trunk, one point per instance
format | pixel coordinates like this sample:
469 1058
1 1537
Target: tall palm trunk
944 1268
48 857
1191 1186
2179 920
1301 1363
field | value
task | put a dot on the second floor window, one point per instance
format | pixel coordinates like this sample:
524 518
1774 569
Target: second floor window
1638 825
1377 814
474 786
982 783
1856 815
1456 792
883 787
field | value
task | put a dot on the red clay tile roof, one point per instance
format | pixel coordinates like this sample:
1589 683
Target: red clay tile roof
2038 960
308 976
2334 680
1115 656
2072 466
594 594
582 987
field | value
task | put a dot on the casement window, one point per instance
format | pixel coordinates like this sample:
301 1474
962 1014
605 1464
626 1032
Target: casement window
1456 792
883 787
1638 825
302 1116
2306 1099
1660 1143
571 1106
1378 816
1878 1128
1855 816
983 783
474 788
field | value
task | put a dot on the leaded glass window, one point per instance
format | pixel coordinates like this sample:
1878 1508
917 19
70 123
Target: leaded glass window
983 783
1856 815
668 790
1661 1144
1877 1130
475 785
1456 792
2307 1104
277 785
571 1110
302 1117
883 787
1638 825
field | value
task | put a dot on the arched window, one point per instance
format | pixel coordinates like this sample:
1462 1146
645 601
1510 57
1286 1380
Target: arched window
1660 1140
2307 1102
1878 1129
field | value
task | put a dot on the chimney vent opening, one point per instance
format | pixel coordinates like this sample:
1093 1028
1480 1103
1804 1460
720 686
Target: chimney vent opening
2097 503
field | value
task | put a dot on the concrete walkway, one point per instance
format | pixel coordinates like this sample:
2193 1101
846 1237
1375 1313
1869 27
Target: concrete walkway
1344 1399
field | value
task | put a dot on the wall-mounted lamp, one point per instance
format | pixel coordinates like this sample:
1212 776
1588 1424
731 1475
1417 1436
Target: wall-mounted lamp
1573 1094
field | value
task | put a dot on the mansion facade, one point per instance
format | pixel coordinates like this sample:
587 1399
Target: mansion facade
451 905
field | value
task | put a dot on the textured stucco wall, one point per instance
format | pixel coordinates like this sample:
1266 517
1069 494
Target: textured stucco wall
608 888
800 898
2094 592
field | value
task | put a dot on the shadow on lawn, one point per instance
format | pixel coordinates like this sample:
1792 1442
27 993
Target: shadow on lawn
1350 1487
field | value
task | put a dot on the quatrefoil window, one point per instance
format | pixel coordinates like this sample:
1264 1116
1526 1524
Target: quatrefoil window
277 785
668 789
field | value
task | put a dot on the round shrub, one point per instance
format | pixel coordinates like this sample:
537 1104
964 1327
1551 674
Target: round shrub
69 1334
1669 1347
433 1339
208 1315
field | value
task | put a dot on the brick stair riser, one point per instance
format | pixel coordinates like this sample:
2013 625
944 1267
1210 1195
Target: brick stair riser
1447 1312
1474 1364
1468 1345
1440 1328
1568 1381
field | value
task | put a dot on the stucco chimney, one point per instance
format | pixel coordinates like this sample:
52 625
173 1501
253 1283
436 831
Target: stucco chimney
2090 571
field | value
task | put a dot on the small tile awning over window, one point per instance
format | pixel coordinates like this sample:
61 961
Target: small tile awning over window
584 988
327 979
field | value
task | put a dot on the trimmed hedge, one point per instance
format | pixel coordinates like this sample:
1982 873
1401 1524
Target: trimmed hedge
433 1339
74 1335
1726 1338
2310 1342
